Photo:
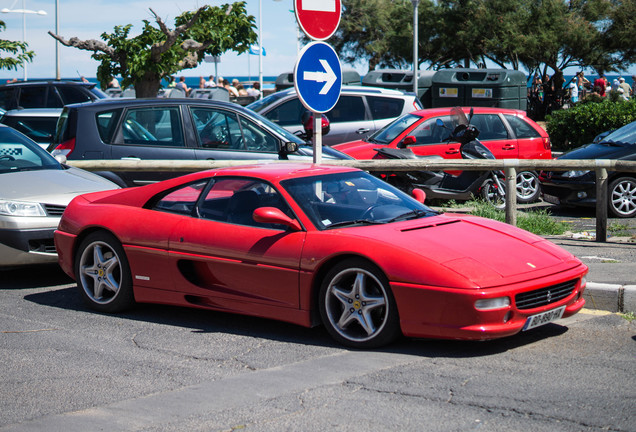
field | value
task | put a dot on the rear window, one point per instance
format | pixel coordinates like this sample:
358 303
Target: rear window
7 100
39 129
72 95
383 107
520 128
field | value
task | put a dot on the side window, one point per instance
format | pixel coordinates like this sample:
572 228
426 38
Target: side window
288 113
71 95
32 97
256 138
234 200
428 132
7 98
182 200
53 99
385 107
153 127
520 128
347 109
490 127
107 123
217 129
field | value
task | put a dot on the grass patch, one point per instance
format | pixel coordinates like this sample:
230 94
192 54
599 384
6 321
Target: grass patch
619 229
538 221
629 316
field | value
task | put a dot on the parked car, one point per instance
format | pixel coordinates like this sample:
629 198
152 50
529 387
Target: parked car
37 123
578 187
508 133
313 244
34 191
175 129
358 113
47 94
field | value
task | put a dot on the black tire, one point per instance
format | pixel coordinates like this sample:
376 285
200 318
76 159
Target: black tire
357 306
490 194
622 197
528 187
103 274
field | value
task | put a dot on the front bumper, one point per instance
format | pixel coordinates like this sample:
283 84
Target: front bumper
448 313
571 192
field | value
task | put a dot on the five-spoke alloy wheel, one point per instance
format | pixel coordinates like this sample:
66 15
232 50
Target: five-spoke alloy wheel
357 306
103 274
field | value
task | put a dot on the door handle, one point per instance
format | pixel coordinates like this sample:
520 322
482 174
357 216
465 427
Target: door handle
452 150
362 131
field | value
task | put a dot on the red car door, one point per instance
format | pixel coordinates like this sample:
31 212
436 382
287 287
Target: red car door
430 139
225 256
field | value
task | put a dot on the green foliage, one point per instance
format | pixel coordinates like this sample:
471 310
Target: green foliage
536 221
579 125
17 49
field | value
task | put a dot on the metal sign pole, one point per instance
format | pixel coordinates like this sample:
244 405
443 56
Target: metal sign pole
317 138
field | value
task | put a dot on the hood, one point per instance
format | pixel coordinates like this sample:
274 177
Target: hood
599 151
359 149
485 252
51 186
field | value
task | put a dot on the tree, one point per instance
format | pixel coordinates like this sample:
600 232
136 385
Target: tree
17 49
158 52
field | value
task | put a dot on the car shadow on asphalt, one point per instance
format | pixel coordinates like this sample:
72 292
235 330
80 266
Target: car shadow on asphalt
209 321
34 276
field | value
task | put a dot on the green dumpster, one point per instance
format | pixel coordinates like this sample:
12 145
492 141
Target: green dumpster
401 79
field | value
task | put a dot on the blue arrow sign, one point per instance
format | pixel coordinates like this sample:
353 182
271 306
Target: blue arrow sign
318 77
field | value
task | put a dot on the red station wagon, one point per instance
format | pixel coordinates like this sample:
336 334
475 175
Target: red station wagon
508 133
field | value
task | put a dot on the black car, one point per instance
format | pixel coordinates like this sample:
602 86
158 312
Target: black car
174 129
47 94
578 187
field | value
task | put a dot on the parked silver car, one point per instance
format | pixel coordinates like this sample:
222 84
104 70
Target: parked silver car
34 191
359 112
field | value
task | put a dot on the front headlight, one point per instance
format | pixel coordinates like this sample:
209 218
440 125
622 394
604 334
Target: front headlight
572 174
21 208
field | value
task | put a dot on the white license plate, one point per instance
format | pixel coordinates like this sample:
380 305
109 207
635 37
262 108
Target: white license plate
551 199
544 318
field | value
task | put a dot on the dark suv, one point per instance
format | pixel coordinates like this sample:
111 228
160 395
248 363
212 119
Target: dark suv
47 94
177 129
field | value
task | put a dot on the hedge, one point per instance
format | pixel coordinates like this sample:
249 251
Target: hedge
576 126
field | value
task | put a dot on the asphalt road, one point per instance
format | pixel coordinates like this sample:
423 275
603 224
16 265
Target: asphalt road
159 368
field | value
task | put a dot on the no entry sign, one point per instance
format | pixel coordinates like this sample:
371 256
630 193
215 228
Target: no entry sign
319 19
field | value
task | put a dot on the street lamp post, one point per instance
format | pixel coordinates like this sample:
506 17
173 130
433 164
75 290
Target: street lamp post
415 44
58 73
23 11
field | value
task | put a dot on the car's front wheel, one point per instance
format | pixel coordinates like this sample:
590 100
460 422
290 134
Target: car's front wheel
622 197
357 306
103 274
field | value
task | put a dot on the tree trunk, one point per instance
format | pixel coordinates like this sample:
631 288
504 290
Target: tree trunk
147 87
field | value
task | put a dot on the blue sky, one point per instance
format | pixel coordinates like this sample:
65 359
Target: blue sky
88 19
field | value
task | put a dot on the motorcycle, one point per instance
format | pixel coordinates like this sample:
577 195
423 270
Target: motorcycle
489 185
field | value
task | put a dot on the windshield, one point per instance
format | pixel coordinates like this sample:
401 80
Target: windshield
624 135
259 105
19 153
352 199
391 131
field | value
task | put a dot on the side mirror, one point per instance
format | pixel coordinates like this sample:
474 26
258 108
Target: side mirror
272 215
289 147
407 141
419 195
60 158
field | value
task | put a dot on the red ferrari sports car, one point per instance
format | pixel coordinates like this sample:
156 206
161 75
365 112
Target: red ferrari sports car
313 244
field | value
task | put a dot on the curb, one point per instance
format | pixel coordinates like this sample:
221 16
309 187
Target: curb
610 297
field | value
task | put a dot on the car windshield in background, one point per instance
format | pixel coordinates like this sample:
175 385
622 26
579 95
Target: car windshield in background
268 100
283 132
18 153
352 199
391 131
625 135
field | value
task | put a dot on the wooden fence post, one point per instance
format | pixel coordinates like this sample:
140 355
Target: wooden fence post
601 203
511 192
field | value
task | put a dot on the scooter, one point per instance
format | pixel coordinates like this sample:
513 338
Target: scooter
489 185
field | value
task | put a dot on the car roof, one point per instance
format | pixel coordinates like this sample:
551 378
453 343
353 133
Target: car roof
117 102
51 82
34 112
364 89
477 110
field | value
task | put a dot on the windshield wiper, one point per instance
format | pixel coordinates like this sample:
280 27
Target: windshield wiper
355 222
413 214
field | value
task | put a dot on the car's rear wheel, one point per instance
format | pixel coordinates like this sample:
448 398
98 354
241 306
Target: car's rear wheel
622 197
103 274
357 306
528 187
